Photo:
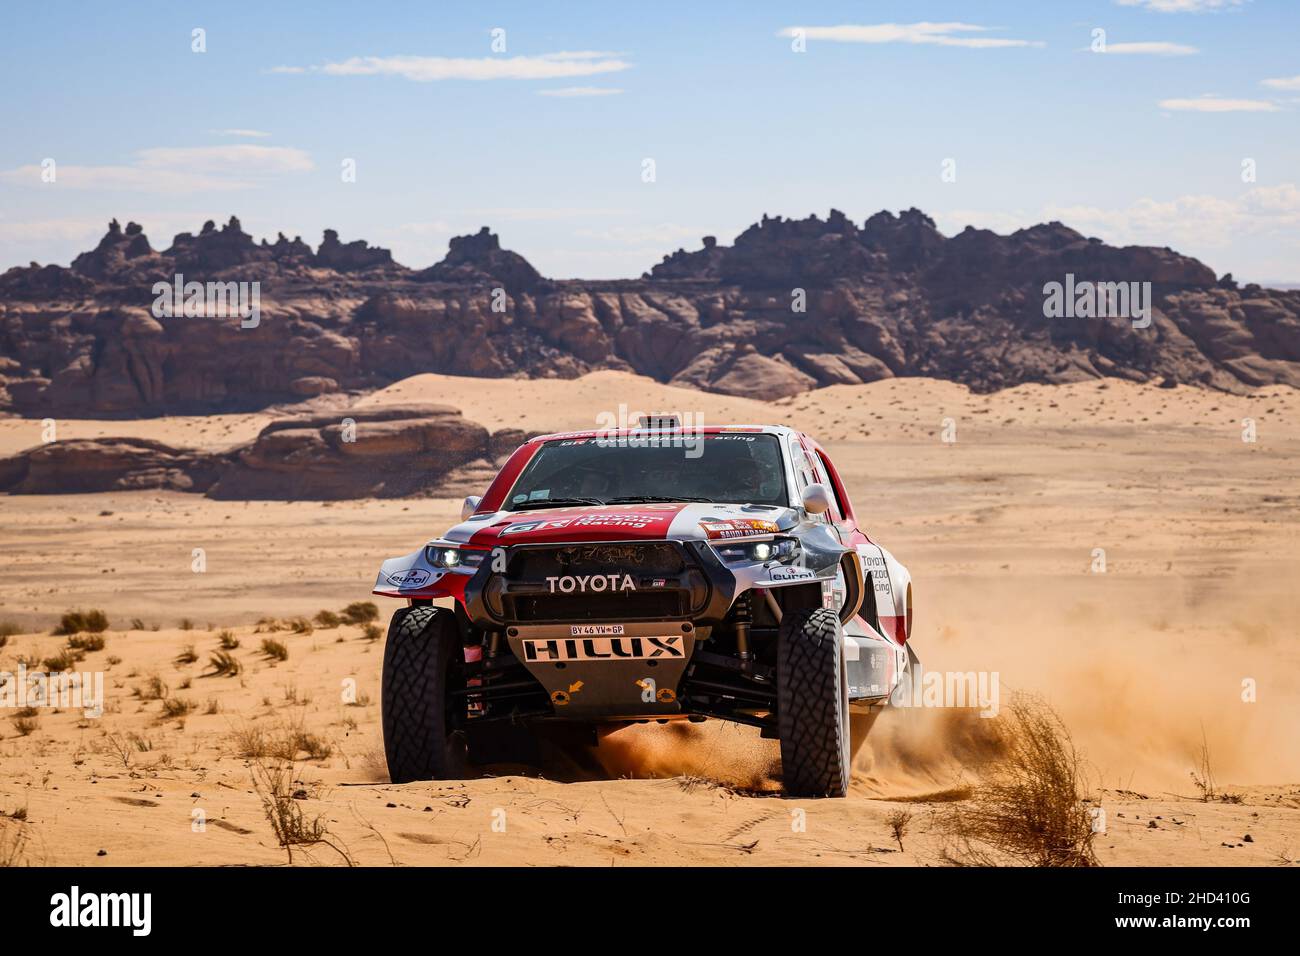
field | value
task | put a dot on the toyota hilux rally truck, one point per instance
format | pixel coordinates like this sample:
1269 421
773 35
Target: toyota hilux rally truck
654 573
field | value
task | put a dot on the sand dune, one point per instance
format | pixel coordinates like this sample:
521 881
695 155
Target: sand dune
1143 661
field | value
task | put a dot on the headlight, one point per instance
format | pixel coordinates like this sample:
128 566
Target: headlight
441 556
779 549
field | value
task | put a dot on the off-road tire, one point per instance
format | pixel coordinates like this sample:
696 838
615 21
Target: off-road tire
812 705
420 741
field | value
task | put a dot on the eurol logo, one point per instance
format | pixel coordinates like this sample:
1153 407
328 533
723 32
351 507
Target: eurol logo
410 578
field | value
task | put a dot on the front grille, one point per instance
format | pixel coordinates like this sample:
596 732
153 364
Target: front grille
658 558
627 606
668 583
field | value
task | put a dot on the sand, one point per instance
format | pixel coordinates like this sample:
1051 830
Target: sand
1145 662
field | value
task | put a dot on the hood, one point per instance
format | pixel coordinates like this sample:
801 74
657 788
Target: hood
633 522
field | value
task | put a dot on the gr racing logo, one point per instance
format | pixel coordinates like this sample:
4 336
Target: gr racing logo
582 583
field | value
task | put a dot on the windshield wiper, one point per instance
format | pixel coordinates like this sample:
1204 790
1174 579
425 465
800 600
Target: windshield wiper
555 502
629 499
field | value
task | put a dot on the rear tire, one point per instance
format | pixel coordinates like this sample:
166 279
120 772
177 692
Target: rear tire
813 705
421 737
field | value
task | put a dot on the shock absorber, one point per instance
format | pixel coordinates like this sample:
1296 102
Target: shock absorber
743 618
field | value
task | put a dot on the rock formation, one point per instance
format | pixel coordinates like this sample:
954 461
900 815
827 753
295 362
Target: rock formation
790 305
385 451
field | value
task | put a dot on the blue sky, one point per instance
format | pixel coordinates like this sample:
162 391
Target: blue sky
1143 143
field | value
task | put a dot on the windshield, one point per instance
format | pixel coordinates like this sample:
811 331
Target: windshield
730 468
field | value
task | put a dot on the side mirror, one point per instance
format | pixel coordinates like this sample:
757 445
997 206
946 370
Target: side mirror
469 506
816 499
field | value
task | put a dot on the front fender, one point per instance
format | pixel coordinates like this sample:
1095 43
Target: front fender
412 576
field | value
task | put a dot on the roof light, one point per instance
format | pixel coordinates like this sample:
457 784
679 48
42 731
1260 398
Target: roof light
658 421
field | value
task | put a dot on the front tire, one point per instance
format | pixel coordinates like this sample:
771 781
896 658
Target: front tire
813 705
422 740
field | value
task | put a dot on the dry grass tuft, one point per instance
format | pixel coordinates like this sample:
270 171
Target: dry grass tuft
276 650
228 640
154 688
174 707
224 664
1029 807
898 822
14 838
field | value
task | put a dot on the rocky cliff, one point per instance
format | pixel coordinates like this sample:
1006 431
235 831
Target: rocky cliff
386 451
790 305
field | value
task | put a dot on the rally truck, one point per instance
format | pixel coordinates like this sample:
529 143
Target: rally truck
647 574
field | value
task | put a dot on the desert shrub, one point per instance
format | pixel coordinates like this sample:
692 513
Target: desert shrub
300 625
153 689
295 739
73 622
228 640
898 822
273 783
186 624
188 655
25 722
13 843
1029 806
359 612
372 632
327 619
137 624
65 660
86 642
173 707
250 741
275 650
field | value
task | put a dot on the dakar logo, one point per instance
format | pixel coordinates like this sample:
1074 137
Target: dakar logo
1098 300
567 583
193 300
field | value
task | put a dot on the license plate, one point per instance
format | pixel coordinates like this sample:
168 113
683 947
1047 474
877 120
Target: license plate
596 630
672 647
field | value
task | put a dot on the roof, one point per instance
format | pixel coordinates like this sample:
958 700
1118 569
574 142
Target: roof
606 433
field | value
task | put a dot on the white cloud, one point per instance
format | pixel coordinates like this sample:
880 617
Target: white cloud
567 91
1182 6
937 34
244 133
174 170
237 158
429 69
1189 221
1151 48
1218 104
1283 83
